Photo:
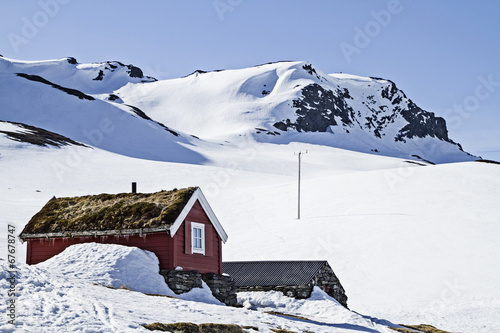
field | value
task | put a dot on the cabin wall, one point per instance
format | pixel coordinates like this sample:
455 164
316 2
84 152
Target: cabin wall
39 250
211 262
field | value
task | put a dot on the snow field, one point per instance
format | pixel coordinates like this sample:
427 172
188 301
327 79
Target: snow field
63 294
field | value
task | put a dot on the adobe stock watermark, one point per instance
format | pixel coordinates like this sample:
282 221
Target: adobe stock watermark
451 291
31 26
460 111
76 155
364 36
223 6
222 178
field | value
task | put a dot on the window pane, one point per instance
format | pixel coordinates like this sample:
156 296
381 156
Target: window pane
197 238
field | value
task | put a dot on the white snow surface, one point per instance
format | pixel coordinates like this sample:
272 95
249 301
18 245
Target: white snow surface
68 293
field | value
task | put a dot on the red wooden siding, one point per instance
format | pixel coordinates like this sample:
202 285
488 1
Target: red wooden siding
208 263
39 250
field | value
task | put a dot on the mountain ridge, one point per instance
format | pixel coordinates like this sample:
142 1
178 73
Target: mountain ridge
278 102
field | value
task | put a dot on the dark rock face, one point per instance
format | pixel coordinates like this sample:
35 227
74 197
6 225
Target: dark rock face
421 124
72 60
68 91
38 136
99 76
134 71
317 109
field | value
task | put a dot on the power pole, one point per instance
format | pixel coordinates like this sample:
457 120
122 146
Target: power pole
298 196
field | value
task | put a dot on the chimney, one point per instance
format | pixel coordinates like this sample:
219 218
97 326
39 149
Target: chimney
134 187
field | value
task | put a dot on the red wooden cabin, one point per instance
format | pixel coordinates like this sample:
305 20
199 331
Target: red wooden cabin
178 226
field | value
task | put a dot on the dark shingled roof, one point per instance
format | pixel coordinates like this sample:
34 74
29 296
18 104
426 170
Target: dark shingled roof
272 273
112 213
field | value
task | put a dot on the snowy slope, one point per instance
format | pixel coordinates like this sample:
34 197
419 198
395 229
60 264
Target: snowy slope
292 101
278 103
97 78
33 100
410 244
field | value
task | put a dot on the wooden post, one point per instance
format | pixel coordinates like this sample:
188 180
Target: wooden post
134 187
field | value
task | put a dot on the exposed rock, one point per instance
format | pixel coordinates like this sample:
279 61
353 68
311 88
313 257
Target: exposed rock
134 71
38 136
317 110
69 91
99 76
421 124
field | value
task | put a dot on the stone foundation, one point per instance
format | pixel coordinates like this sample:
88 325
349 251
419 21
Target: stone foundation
222 286
182 281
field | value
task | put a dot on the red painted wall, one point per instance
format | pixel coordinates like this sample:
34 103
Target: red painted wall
171 252
210 262
42 249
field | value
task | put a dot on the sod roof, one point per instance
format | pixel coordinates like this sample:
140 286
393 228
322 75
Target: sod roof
109 212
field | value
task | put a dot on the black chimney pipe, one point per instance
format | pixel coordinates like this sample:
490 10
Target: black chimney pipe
134 187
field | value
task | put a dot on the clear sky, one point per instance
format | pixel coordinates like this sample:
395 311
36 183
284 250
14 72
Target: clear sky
445 55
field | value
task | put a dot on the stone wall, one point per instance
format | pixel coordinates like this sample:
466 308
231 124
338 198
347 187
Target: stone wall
182 281
222 286
328 281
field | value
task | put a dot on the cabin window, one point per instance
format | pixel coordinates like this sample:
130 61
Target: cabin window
197 238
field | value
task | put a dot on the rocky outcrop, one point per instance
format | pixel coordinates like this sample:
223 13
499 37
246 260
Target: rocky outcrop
38 136
421 124
317 110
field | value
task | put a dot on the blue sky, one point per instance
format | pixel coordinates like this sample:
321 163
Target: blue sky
445 55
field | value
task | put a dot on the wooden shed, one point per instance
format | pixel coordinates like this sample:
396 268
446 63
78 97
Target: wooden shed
179 226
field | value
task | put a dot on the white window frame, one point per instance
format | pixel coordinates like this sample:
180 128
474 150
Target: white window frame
201 226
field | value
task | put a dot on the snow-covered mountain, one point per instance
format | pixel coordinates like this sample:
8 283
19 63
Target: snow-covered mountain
292 101
278 103
64 98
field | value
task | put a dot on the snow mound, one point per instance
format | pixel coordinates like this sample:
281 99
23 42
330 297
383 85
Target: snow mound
320 306
119 266
111 265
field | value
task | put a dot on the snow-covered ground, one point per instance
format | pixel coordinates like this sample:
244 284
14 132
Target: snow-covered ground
70 293
411 244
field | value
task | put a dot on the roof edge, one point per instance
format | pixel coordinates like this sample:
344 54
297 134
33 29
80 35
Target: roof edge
26 236
198 195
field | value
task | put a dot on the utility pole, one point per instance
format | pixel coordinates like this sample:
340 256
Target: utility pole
298 196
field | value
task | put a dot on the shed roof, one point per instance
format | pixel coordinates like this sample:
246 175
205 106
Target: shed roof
111 214
272 273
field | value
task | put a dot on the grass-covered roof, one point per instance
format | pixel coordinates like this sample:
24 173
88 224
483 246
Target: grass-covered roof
105 212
